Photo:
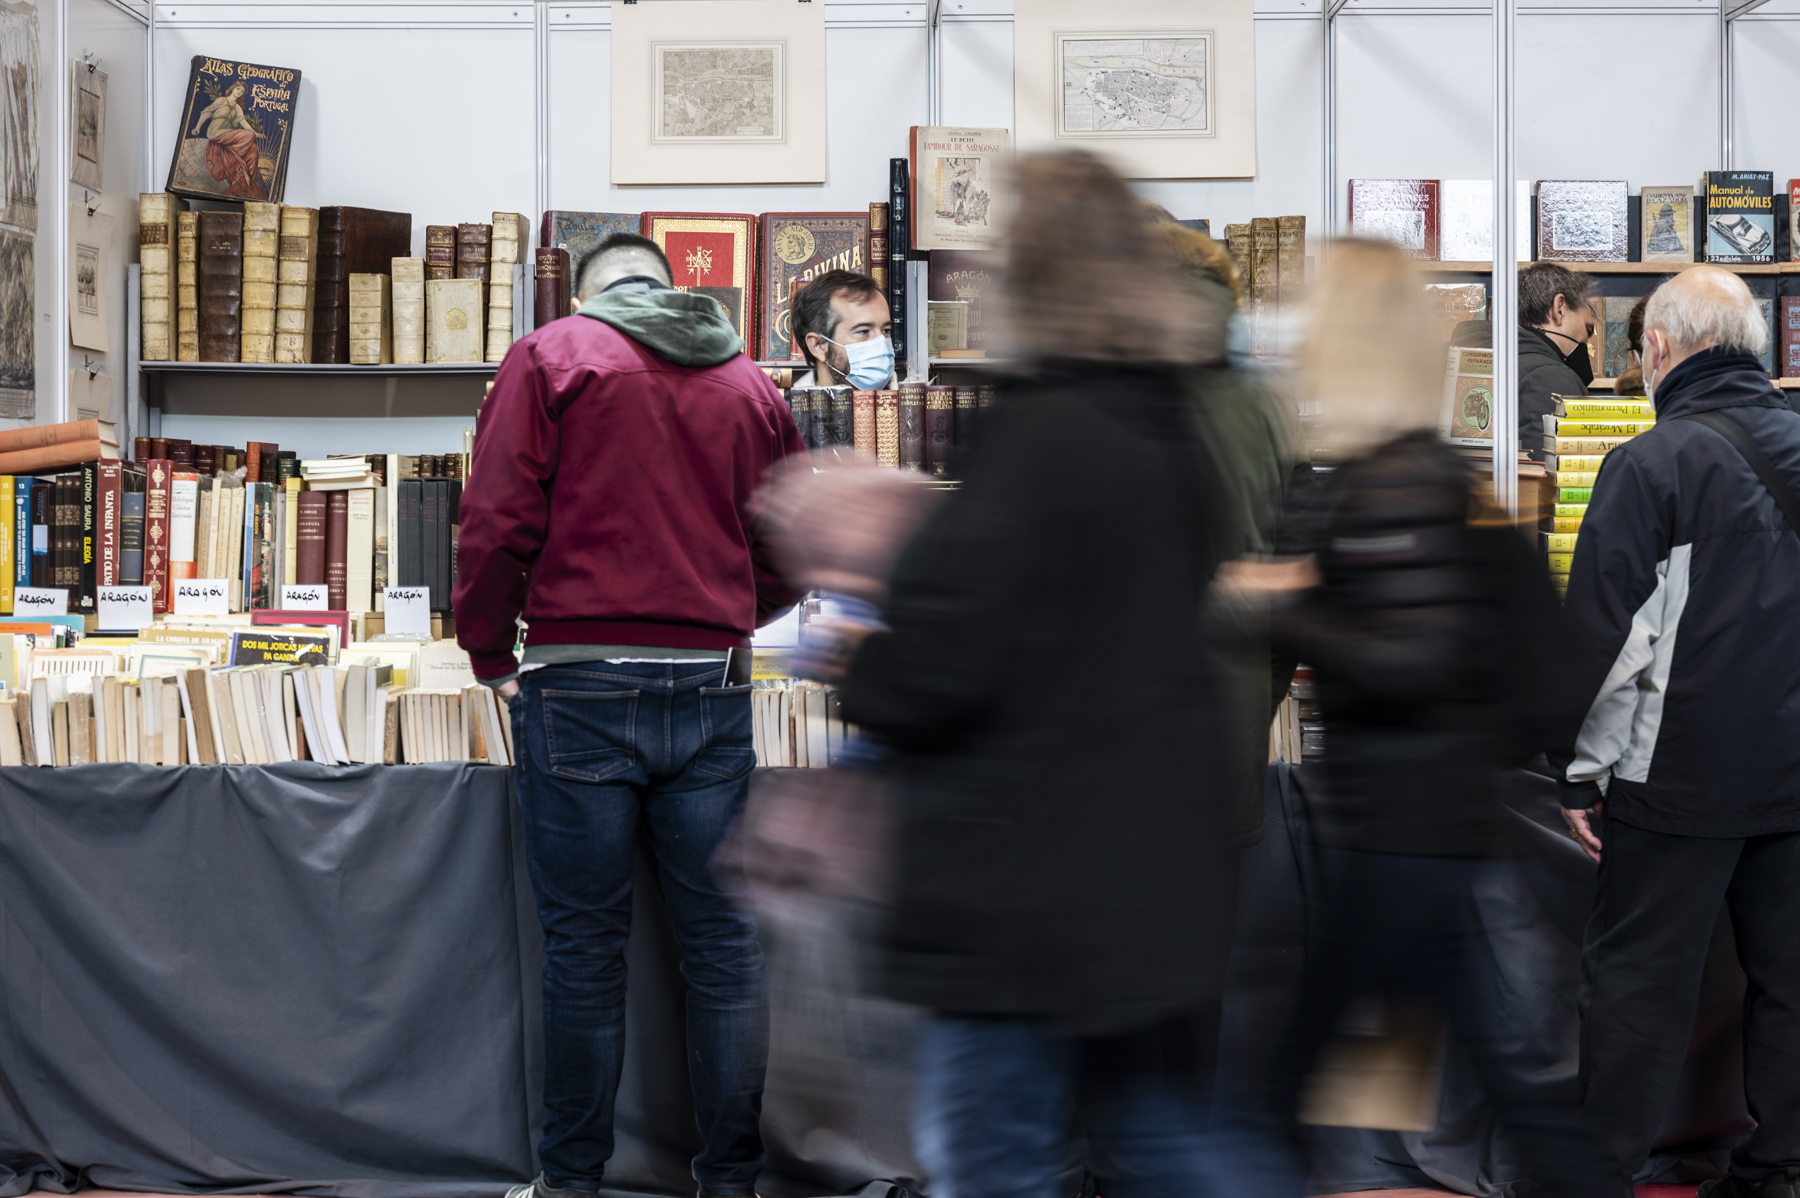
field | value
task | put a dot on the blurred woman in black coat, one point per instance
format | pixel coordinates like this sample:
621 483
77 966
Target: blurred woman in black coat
1066 863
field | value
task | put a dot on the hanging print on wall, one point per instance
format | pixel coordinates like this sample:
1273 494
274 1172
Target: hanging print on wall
19 93
236 127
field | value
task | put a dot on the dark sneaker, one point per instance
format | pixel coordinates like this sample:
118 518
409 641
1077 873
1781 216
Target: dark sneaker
538 1189
1785 1184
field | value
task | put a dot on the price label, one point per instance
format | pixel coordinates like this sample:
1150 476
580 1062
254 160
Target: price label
123 608
306 598
40 601
407 611
202 597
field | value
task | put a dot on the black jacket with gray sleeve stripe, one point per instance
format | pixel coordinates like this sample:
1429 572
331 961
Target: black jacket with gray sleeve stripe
1684 610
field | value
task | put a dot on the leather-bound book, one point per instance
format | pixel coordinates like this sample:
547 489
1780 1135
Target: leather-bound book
140 450
899 237
440 252
159 447
799 401
407 569
862 423
887 427
371 330
820 413
407 309
473 243
296 270
271 462
131 531
715 251
156 274
878 244
109 521
1237 245
310 539
1264 284
157 482
453 320
963 426
511 237
940 428
840 419
337 545
253 461
1403 211
985 395
181 452
552 295
221 286
796 247
351 241
206 460
432 538
1290 263
912 426
262 242
580 233
187 286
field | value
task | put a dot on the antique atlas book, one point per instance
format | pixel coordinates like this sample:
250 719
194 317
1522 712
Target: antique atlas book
1582 220
711 250
236 129
1403 211
1668 224
798 247
1739 215
956 186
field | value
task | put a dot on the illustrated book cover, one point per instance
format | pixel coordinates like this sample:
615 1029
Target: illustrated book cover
1668 224
1582 220
1403 211
796 248
710 249
1739 215
965 275
1468 415
956 186
236 130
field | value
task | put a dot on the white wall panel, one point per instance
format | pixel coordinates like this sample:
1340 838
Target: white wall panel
975 72
1766 51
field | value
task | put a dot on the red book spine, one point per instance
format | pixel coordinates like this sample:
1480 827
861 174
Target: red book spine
337 545
156 532
253 462
309 539
109 517
552 284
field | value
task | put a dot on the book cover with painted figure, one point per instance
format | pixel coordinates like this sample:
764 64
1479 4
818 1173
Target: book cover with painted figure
236 130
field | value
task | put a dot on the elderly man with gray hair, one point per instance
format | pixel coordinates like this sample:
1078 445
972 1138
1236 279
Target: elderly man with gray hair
1683 781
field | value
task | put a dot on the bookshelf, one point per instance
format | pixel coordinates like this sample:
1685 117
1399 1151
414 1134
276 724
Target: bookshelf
1608 384
1620 268
319 368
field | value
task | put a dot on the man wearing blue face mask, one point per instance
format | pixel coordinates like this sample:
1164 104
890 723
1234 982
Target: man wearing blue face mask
841 324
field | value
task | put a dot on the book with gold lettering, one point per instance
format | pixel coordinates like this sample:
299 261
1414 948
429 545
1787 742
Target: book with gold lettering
454 322
156 269
236 129
796 248
221 275
296 267
512 237
187 286
710 249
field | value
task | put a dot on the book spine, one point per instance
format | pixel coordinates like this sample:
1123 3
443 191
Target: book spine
296 269
840 418
410 527
156 275
184 507
407 303
862 421
1237 246
963 426
430 537
66 535
1264 286
157 483
262 242
509 235
887 428
552 296
264 591
940 419
878 244
88 567
41 513
21 537
221 277
9 544
1790 337
187 286
440 251
912 426
328 271
371 329
337 541
309 539
131 538
359 569
899 236
1290 263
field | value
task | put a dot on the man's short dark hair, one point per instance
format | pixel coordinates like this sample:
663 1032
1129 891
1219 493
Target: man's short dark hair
1634 325
1540 284
812 304
617 243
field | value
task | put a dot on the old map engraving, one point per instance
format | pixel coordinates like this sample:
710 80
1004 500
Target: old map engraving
720 91
1123 85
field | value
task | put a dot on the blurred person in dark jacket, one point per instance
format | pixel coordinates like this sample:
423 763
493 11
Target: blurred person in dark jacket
1065 864
1430 632
1249 429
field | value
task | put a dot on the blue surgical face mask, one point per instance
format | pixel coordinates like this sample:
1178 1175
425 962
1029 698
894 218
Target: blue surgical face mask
871 362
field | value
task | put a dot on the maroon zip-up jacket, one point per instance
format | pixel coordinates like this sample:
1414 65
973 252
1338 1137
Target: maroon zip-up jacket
609 499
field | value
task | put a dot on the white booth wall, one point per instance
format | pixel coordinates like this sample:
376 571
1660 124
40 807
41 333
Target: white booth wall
431 107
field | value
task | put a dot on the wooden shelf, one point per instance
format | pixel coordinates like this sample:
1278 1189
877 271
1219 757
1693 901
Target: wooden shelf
1784 384
322 368
976 362
1620 268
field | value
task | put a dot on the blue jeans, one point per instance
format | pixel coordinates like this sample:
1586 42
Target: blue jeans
1005 1107
601 746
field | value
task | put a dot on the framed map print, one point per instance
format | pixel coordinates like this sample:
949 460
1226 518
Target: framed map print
1164 89
718 91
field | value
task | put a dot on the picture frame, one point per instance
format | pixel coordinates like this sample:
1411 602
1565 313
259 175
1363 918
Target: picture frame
718 91
1162 89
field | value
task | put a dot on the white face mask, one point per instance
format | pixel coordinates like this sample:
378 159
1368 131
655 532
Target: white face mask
1650 364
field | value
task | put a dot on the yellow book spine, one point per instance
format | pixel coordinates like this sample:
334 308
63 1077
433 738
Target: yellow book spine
7 560
1580 463
1559 542
1606 409
1577 510
1561 562
1575 478
1570 524
1562 444
1601 428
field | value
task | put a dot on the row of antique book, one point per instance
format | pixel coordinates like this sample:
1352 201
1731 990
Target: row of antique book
252 517
1731 217
913 427
1270 256
288 284
178 696
797 723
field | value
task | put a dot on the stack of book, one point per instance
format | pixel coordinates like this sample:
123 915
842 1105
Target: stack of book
912 427
797 723
1581 433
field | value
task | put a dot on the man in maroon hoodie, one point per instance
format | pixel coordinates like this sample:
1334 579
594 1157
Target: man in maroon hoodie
608 504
